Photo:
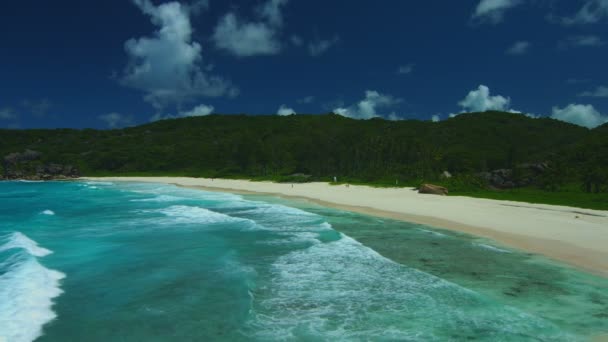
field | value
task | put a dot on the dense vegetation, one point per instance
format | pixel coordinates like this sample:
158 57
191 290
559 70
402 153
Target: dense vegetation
319 147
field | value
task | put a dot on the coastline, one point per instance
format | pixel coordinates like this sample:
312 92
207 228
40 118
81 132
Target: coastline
578 237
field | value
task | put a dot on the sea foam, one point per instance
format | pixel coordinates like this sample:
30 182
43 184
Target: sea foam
27 290
19 240
491 248
190 214
344 290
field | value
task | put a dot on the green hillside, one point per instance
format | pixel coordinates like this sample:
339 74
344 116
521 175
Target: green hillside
319 147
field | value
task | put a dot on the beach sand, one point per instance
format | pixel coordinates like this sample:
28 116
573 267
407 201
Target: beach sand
575 236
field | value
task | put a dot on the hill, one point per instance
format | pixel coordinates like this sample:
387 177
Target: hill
544 153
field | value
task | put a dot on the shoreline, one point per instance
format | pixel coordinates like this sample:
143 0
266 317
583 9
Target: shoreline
578 237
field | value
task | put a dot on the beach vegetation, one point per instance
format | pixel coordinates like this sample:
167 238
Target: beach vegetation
491 154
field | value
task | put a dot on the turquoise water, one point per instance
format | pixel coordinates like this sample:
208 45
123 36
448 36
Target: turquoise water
97 261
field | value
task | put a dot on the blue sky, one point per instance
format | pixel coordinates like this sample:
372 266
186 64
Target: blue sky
113 63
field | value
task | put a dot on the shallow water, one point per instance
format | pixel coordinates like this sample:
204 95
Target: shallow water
132 262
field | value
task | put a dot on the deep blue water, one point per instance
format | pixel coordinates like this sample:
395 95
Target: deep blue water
97 261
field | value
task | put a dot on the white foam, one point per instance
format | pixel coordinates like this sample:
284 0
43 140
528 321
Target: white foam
281 218
343 290
26 300
19 240
27 290
181 193
98 183
189 214
161 198
48 212
492 248
431 232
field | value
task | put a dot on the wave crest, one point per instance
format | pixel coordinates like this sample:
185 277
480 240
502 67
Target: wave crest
27 289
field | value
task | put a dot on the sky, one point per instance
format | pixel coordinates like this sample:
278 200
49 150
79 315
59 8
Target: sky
116 63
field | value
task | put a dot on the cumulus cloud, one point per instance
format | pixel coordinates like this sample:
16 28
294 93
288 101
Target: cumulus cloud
200 110
581 41
493 10
578 114
168 66
518 48
405 69
243 38
600 91
271 11
369 106
319 47
593 11
285 111
480 100
435 118
116 120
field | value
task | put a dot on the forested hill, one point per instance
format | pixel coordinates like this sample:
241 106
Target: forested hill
323 146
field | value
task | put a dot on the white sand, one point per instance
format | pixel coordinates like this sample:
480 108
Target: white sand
576 236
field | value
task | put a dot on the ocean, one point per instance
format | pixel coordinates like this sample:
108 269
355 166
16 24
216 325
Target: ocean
104 261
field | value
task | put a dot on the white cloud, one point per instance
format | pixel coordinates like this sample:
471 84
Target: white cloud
581 41
271 11
592 12
7 114
405 69
435 118
244 38
168 66
480 100
368 107
285 111
493 10
200 110
321 46
600 91
115 120
306 100
578 114
519 48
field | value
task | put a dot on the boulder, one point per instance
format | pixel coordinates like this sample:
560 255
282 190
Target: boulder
432 189
522 175
17 157
28 165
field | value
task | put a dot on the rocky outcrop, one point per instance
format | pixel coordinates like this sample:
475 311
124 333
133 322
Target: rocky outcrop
433 190
29 165
522 175
15 158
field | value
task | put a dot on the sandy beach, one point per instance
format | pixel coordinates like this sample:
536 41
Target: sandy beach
575 236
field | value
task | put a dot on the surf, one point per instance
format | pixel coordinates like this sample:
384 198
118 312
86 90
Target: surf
27 289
